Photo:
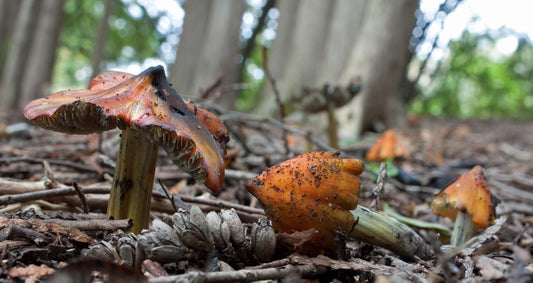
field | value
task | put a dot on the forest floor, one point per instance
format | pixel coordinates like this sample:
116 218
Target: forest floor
47 213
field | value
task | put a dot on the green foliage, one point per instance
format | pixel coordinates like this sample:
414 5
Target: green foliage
392 170
248 97
131 38
140 35
476 81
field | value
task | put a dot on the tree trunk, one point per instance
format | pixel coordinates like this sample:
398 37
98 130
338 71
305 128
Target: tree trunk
101 38
8 12
208 48
380 58
40 65
16 55
341 36
302 27
314 40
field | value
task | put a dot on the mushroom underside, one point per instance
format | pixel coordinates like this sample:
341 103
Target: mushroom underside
85 118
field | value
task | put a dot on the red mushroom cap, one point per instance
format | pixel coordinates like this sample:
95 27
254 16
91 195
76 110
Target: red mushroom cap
145 103
215 126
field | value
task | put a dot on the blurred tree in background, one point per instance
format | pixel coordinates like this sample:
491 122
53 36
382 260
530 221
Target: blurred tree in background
49 45
132 36
55 42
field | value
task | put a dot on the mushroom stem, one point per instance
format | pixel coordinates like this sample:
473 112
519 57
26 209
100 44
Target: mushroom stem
381 230
131 193
463 229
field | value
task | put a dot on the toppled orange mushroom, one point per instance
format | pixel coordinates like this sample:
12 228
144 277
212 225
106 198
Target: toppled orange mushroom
150 113
319 191
386 147
468 197
314 190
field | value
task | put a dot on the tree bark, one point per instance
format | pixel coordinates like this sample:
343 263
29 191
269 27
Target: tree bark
40 65
313 41
379 58
209 46
15 56
295 53
8 12
341 36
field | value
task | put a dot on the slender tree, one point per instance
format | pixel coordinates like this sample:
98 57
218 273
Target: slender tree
40 64
313 41
209 47
101 38
8 12
379 58
16 56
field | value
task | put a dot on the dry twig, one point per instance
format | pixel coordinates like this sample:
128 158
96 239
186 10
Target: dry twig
277 95
244 275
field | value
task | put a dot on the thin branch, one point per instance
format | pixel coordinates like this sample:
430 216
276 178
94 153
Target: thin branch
244 275
211 88
47 194
170 198
278 98
82 198
35 160
241 117
41 192
239 174
380 185
92 225
250 43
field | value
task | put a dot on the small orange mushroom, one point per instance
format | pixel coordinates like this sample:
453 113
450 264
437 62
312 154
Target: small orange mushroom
319 191
386 147
150 114
468 202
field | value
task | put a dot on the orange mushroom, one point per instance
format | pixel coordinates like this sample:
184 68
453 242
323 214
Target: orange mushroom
320 190
468 202
212 123
386 147
315 190
150 114
109 79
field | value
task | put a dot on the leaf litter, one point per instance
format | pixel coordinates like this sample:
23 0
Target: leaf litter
44 228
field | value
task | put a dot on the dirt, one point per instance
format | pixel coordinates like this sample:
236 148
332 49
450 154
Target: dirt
440 151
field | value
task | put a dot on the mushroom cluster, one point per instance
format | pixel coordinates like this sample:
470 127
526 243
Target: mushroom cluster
150 114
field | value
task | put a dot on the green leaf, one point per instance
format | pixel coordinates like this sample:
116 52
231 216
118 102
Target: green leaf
392 169
443 230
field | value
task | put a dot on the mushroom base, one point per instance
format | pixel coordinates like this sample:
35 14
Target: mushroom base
381 230
131 194
463 229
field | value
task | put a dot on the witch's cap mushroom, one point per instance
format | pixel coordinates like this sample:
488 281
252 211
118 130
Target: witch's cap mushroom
386 147
214 125
145 104
468 194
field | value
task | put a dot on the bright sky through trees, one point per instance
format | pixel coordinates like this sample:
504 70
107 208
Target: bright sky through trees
480 16
491 15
